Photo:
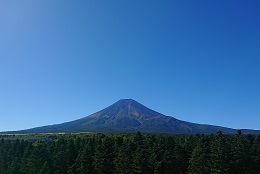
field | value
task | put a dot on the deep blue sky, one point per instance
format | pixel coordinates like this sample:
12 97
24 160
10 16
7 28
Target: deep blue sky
198 61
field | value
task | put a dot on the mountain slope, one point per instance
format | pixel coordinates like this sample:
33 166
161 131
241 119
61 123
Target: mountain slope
127 115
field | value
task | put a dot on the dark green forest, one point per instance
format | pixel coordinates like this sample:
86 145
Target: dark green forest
131 153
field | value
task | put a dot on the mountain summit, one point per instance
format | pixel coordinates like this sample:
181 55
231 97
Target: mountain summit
127 115
127 108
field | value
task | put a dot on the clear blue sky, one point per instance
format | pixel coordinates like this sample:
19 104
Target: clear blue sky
61 60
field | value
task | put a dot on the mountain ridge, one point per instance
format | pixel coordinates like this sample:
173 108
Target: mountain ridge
127 115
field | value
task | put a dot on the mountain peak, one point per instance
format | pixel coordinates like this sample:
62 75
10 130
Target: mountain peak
127 108
127 101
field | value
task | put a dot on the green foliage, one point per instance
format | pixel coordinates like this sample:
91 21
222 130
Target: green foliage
132 153
104 155
219 155
200 160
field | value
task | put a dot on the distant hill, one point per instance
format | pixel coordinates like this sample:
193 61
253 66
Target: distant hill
127 115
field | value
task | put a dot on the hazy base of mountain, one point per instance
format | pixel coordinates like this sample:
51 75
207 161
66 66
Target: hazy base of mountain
126 116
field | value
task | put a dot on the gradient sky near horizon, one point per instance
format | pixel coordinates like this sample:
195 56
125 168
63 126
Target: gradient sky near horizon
197 61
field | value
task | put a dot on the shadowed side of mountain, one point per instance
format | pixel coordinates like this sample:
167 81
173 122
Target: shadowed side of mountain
127 115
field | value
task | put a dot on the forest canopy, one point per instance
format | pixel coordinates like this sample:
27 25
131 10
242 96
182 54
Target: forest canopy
130 153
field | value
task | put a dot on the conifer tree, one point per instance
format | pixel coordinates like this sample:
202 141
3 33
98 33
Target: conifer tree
103 157
124 161
219 155
200 159
45 169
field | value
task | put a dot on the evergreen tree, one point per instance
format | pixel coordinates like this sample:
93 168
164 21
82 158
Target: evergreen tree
219 155
14 167
124 160
200 159
84 161
37 158
103 157
181 157
255 155
71 153
60 158
24 159
45 169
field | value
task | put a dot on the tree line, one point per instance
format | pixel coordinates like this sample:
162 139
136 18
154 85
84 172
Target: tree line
132 153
